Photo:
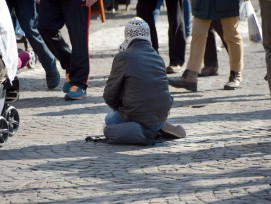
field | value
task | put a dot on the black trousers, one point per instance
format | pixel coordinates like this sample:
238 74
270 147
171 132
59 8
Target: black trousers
53 15
144 10
210 56
176 31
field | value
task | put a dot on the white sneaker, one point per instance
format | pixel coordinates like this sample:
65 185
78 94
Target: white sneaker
173 130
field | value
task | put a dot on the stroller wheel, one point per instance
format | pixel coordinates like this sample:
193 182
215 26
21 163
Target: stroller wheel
4 131
33 59
13 120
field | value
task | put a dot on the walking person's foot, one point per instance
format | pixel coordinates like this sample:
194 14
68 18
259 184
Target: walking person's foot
235 81
75 93
52 79
189 81
174 68
67 85
209 71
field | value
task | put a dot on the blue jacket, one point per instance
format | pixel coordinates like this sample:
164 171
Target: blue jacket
215 9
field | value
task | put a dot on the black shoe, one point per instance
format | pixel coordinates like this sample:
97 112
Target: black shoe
265 78
52 79
209 71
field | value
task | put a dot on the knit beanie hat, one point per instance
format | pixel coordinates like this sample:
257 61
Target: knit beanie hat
136 28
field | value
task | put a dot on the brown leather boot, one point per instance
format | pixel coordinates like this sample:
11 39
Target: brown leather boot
235 81
189 81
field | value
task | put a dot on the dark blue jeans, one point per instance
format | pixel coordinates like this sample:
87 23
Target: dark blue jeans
115 118
156 11
187 17
28 18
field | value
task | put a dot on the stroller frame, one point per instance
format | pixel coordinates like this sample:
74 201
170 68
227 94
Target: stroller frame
9 119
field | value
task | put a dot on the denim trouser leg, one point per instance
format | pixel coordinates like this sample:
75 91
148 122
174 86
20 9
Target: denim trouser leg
187 17
27 17
116 118
156 11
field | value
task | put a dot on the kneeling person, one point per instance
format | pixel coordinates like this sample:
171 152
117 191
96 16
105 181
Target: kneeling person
137 91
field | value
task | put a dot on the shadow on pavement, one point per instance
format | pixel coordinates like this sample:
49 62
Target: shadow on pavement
123 170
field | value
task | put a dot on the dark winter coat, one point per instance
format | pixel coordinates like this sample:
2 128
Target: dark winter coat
138 86
215 9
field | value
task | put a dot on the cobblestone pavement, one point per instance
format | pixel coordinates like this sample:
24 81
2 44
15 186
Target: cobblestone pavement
226 157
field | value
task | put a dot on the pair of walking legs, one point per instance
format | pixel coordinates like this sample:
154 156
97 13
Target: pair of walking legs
199 36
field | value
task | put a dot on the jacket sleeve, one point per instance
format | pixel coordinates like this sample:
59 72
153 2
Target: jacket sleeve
114 84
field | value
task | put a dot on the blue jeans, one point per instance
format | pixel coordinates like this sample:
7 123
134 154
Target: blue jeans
187 17
116 118
27 16
156 11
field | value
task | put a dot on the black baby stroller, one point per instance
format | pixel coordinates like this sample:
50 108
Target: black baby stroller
9 119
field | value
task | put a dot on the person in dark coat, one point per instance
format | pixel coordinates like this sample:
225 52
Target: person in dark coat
265 6
137 87
204 12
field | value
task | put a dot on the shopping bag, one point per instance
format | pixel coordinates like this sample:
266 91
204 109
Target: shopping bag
254 29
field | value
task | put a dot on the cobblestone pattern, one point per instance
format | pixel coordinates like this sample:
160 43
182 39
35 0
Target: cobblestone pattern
226 157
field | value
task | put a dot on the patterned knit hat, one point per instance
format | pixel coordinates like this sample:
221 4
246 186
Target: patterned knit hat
136 28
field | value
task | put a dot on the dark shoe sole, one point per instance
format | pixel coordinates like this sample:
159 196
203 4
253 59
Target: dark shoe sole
188 86
67 98
170 71
206 75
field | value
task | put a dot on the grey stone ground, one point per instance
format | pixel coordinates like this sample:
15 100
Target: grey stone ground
226 157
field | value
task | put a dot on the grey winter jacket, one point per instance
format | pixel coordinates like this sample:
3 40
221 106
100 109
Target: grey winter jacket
215 9
138 86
